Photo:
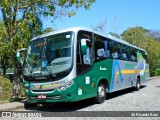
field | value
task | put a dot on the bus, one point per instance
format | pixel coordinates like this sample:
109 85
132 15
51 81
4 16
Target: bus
79 63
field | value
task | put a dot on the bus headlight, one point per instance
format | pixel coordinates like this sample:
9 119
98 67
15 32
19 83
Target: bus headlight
26 87
67 84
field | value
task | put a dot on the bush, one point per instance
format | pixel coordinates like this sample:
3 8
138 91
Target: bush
5 89
157 72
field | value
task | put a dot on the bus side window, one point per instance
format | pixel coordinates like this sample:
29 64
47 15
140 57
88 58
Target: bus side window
115 50
102 47
144 54
125 52
107 48
99 47
133 55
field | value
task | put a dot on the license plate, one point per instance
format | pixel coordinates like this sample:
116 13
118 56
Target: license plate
41 96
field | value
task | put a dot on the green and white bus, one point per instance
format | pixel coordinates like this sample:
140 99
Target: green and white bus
79 63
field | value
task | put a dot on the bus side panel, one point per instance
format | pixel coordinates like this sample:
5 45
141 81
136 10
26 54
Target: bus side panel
145 77
121 76
88 82
124 74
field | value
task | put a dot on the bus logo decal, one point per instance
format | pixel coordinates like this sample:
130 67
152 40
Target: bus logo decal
102 68
114 75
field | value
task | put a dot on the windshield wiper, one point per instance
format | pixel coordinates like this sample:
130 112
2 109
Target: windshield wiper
50 72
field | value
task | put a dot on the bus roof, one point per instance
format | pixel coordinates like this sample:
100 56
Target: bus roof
76 29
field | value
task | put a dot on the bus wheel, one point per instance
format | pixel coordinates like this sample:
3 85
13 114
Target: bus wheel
137 87
101 93
28 104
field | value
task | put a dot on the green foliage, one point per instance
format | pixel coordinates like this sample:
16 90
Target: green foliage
47 30
114 34
135 36
155 34
140 37
157 72
5 60
5 89
21 18
21 21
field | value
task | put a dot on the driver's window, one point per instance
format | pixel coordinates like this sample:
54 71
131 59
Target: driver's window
84 59
87 57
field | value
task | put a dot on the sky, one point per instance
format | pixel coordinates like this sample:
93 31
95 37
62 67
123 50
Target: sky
117 15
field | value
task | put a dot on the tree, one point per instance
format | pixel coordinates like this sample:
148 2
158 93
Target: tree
114 34
47 30
4 51
155 34
135 35
17 13
32 28
140 37
101 27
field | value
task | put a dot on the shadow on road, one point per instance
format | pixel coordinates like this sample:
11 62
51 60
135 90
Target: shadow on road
122 92
74 106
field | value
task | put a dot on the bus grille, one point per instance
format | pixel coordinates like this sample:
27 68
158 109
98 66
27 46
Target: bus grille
48 90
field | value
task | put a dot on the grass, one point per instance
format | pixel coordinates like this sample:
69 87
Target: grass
6 88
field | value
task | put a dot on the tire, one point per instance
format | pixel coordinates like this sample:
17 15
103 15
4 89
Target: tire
101 93
138 85
27 104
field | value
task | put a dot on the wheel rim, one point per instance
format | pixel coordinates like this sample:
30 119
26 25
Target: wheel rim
101 92
138 85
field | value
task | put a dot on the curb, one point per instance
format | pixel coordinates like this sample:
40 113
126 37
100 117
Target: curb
151 78
12 108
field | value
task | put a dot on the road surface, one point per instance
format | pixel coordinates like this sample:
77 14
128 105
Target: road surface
146 99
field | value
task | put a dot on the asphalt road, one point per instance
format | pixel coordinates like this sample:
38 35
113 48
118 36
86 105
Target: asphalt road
146 99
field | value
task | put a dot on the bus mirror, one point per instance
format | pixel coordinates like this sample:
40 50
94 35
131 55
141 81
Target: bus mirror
18 54
84 46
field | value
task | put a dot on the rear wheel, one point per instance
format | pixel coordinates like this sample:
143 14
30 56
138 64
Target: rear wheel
101 93
138 85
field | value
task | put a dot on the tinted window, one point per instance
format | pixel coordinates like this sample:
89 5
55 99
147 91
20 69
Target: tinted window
115 50
102 47
125 52
133 55
83 35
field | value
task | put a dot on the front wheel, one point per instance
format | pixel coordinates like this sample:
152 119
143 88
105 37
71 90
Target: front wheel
27 104
101 93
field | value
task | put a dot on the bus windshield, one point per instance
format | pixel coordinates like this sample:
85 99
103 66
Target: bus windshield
49 55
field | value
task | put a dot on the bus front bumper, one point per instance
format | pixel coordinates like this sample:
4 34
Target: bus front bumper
56 95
